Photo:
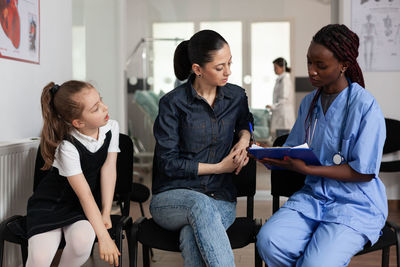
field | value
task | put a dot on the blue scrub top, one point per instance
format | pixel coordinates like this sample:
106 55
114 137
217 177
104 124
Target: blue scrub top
359 205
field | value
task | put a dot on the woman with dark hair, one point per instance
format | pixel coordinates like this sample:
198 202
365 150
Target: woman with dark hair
283 114
343 204
194 158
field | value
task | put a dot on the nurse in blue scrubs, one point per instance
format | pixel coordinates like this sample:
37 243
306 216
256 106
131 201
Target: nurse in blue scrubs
343 204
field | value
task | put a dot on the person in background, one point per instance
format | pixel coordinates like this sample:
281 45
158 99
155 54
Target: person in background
194 159
79 145
343 203
283 105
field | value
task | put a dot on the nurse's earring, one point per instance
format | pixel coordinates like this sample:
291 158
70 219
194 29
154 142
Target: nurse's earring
199 75
342 71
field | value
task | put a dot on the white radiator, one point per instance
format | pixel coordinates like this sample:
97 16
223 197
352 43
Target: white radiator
17 163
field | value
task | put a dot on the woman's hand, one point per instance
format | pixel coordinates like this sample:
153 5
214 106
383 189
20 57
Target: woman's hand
107 220
241 159
108 250
228 164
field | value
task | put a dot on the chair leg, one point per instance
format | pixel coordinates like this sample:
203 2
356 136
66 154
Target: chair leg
1 252
146 258
275 204
257 258
141 209
132 248
385 256
142 212
398 255
24 253
118 242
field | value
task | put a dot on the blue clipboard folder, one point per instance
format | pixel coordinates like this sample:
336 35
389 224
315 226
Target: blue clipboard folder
305 154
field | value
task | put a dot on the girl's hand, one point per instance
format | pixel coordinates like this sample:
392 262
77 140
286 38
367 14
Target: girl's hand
108 250
241 159
296 165
228 164
107 220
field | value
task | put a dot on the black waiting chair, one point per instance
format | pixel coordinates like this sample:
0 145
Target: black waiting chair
140 194
241 233
285 183
122 195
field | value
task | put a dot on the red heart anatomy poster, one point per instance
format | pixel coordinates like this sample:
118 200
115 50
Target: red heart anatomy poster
19 31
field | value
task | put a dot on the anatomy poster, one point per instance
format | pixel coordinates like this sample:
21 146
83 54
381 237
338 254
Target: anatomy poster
377 23
19 31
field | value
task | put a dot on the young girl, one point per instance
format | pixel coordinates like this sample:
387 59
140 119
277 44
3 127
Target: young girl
343 204
79 145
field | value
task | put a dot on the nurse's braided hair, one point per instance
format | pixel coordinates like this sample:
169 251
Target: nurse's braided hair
343 43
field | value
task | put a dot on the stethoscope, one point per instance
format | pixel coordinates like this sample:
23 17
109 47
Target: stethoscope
337 157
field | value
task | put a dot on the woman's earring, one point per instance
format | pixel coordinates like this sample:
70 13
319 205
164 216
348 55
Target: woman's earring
199 75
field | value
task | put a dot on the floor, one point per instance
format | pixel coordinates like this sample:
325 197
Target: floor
243 257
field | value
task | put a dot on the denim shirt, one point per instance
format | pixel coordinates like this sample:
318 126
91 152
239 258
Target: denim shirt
188 131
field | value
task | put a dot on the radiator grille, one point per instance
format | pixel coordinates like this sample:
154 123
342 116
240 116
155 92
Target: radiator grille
17 163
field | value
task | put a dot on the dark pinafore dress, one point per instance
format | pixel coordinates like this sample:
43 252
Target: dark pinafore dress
54 203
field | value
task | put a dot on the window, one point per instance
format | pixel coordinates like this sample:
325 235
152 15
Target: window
163 52
232 33
269 40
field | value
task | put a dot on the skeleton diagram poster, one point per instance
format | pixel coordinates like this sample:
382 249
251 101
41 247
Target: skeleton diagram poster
19 31
377 23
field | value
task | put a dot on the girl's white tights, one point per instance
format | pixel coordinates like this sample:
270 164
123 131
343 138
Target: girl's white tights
79 238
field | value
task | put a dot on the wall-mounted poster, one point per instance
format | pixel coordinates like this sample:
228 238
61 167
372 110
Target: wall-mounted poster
19 31
377 23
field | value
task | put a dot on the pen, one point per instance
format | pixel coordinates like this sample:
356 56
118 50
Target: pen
252 133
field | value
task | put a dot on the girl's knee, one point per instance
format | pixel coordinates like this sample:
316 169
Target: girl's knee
80 239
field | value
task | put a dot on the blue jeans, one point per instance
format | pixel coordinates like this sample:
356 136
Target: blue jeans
290 239
202 221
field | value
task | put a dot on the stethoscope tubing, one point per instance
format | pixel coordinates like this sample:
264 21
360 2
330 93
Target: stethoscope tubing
344 122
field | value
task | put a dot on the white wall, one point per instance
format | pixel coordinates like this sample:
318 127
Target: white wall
105 24
306 16
385 88
22 83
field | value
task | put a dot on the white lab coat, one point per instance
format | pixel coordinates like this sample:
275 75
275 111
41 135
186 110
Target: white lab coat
283 107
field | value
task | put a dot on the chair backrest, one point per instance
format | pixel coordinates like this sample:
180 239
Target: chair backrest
123 185
245 183
38 174
284 182
392 144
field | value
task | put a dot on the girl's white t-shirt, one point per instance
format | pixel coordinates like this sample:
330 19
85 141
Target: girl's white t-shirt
67 159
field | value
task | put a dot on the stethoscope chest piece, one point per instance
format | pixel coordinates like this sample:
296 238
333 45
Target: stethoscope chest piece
337 159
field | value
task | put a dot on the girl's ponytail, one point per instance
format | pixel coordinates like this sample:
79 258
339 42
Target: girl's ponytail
54 130
58 111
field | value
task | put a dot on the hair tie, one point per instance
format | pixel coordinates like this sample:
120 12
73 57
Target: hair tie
54 89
